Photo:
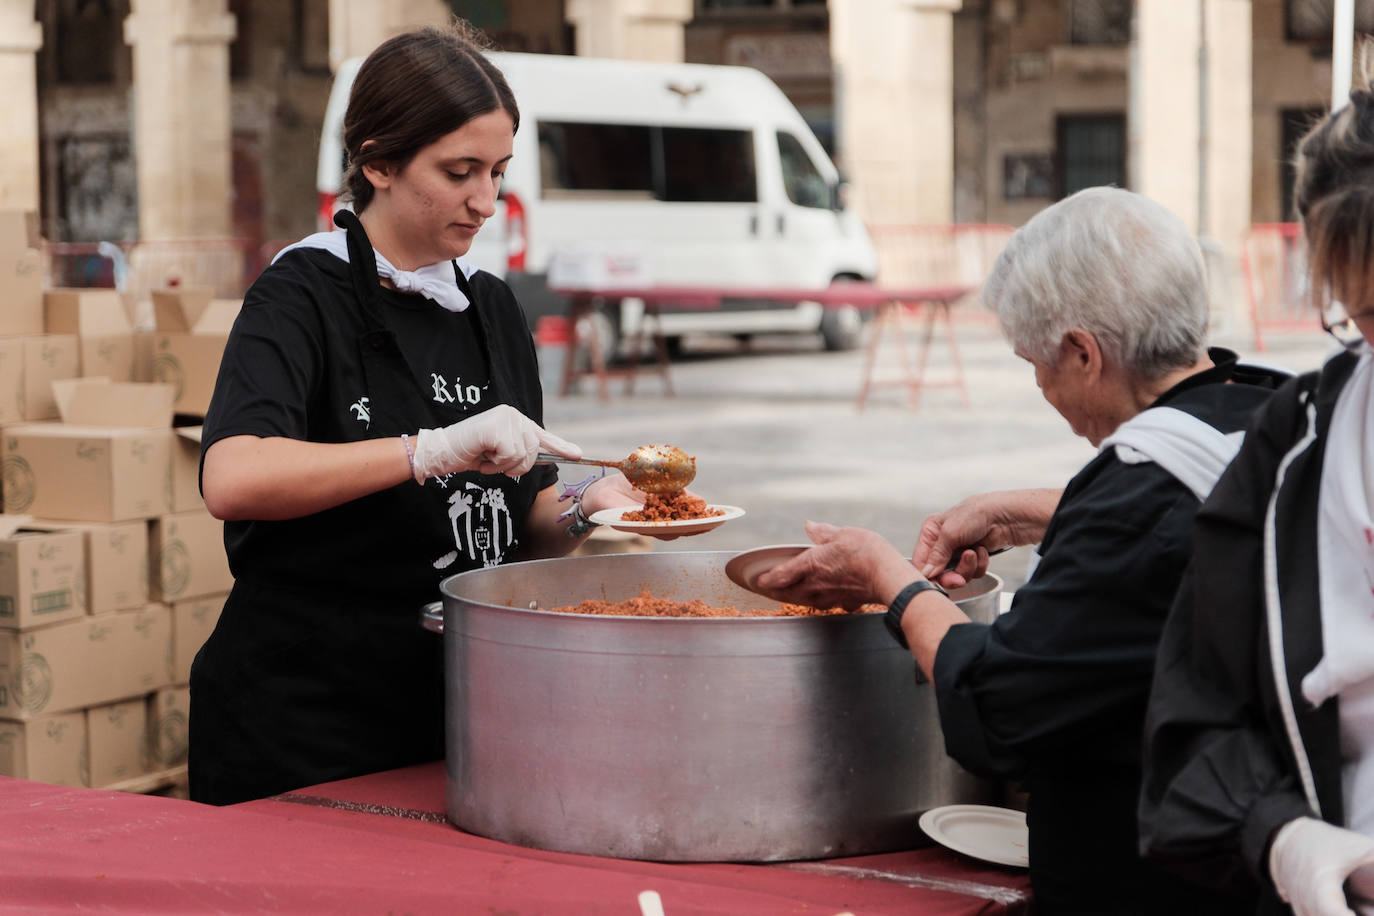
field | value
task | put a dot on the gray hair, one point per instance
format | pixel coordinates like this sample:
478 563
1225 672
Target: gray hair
1114 263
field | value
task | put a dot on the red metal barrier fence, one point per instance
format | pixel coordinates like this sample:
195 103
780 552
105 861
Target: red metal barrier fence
1273 263
958 254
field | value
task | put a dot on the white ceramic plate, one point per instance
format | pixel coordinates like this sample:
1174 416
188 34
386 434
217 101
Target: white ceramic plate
744 569
982 831
612 518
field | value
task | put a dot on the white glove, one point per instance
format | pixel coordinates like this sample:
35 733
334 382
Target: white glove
501 440
1310 860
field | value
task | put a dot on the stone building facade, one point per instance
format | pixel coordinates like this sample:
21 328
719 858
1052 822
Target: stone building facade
158 119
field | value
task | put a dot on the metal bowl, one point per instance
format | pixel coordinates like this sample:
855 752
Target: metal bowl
684 739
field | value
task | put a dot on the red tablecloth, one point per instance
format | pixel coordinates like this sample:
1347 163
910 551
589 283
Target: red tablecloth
379 844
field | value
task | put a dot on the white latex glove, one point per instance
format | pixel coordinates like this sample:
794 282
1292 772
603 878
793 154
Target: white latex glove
1310 861
501 440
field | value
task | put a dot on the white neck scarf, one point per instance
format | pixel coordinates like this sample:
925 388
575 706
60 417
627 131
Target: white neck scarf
1345 541
1194 451
434 281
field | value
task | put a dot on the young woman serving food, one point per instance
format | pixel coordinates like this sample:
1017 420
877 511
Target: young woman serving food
374 429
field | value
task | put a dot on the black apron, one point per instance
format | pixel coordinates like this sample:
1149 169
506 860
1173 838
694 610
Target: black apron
298 686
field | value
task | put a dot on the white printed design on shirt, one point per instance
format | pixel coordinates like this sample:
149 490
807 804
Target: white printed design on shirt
468 395
361 411
482 526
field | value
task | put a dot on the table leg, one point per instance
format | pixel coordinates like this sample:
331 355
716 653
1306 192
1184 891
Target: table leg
894 318
927 332
660 347
954 355
576 308
875 336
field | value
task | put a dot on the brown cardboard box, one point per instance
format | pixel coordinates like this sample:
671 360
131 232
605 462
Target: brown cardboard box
42 574
169 711
144 341
118 737
28 368
47 360
186 556
19 230
108 461
186 470
21 275
85 662
48 749
191 330
116 562
193 620
98 318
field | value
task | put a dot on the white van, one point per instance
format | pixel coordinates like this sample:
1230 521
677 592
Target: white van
707 174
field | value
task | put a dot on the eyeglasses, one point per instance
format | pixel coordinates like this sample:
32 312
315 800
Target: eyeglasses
1337 322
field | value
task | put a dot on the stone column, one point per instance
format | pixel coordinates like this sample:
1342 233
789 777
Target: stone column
894 87
358 26
20 38
182 132
1228 140
1163 116
629 29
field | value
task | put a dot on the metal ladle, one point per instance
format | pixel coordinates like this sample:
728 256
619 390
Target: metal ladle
651 468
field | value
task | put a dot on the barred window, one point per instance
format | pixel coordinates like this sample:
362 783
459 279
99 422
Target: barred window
1311 20
1091 152
1099 22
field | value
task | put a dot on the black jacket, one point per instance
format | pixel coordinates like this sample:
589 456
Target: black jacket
1225 746
1053 693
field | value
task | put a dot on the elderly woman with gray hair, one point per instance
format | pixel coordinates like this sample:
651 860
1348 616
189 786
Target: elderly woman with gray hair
1104 294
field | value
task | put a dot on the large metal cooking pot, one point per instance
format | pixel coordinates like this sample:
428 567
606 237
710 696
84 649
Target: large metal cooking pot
684 739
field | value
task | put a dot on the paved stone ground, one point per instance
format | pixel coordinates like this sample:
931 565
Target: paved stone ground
776 430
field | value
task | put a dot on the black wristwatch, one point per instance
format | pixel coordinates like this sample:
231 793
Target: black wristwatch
895 610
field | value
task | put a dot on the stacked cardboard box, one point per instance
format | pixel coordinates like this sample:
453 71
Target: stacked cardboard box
112 573
30 358
192 327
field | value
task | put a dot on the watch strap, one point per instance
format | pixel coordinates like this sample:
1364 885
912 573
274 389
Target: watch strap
895 610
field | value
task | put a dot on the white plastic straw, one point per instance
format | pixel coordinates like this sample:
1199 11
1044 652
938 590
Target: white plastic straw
650 904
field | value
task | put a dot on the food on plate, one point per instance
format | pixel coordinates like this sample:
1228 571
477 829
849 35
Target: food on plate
673 506
646 605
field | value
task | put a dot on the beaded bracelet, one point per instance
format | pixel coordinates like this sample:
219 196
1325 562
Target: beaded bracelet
410 454
580 523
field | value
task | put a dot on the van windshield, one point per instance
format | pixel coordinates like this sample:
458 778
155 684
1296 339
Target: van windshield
688 164
803 181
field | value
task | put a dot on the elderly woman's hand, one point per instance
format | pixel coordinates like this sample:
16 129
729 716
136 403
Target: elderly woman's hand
847 568
968 530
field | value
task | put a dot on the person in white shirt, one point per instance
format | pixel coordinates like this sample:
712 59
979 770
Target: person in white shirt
1259 760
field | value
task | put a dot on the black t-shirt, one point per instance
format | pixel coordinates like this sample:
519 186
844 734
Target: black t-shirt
307 360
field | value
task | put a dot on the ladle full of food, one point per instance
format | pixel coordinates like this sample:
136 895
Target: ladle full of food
651 468
662 473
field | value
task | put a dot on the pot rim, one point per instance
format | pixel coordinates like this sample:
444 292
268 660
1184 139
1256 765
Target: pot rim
980 587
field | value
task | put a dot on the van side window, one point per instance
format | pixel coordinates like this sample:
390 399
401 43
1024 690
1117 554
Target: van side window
596 160
702 164
805 185
680 164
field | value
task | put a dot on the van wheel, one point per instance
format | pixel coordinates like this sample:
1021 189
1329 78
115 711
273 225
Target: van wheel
841 328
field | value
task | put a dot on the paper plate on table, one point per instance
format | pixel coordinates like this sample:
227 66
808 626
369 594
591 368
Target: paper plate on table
744 569
983 831
613 518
